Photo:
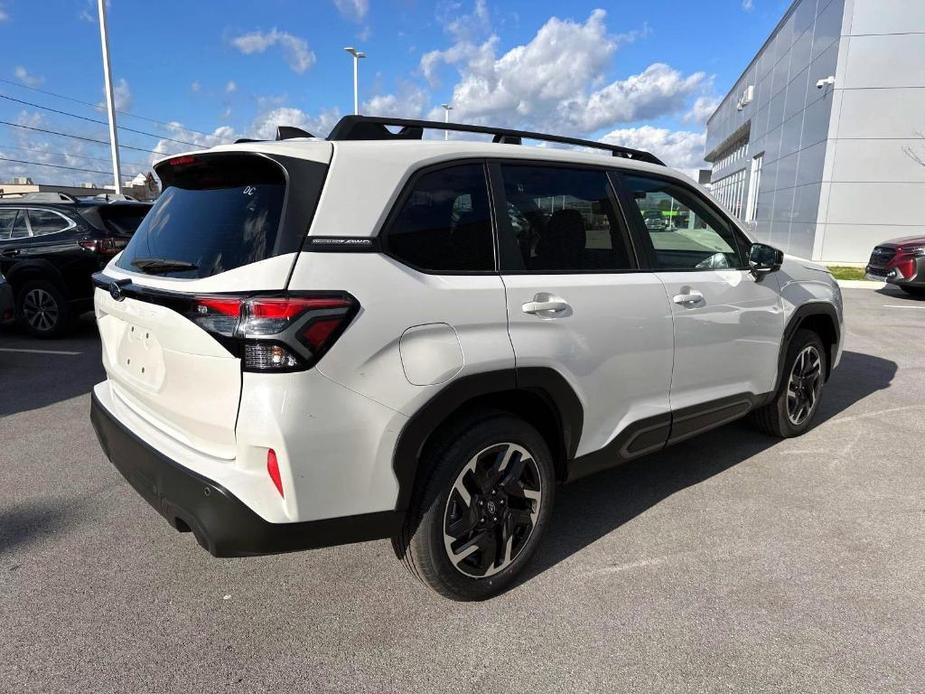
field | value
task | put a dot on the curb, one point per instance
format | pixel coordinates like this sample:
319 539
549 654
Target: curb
860 284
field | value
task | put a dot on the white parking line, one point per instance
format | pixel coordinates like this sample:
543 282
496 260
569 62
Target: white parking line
901 306
41 351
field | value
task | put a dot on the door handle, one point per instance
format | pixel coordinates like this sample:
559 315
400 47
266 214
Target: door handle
688 298
10 252
543 303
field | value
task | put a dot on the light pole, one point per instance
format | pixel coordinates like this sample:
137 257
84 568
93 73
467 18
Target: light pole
446 119
110 103
356 69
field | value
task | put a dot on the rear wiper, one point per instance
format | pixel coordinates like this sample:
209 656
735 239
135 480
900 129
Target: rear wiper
154 266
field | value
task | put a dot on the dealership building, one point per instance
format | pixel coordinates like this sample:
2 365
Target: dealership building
820 145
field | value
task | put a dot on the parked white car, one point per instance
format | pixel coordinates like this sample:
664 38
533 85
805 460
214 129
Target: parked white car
310 342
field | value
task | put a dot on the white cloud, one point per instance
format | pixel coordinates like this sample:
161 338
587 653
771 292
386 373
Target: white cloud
122 95
354 10
231 87
4 15
298 55
679 149
176 130
555 80
264 125
27 78
408 103
702 109
195 87
658 90
748 5
89 11
35 147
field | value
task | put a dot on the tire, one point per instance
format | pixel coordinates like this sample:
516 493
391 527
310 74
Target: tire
43 310
503 464
912 290
796 402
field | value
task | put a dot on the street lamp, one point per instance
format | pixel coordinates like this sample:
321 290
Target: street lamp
356 62
110 101
446 119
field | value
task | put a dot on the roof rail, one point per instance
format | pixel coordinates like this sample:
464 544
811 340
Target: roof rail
374 128
39 196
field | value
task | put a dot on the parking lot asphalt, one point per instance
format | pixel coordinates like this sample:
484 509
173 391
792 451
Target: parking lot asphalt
732 562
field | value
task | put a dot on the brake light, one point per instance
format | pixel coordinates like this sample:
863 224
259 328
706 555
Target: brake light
273 471
276 333
182 161
107 246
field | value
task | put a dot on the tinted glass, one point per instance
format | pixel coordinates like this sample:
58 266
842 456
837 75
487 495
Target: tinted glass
445 223
561 220
13 225
215 215
7 218
685 233
123 219
46 222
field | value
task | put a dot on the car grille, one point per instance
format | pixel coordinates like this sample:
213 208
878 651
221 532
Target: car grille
882 255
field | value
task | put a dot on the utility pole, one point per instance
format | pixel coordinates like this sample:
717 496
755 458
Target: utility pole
110 102
446 119
356 69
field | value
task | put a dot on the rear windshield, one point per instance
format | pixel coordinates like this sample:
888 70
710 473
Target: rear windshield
123 219
218 212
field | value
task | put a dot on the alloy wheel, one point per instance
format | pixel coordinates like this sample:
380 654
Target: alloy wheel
804 385
40 309
492 510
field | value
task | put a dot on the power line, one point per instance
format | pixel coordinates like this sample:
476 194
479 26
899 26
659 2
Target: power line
56 166
98 122
39 150
76 137
96 107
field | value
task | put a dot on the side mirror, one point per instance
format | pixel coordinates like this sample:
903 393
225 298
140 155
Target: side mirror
763 259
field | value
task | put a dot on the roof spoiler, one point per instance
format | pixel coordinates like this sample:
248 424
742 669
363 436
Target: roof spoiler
283 132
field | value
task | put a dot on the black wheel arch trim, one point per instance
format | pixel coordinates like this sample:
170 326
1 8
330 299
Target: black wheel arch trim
544 382
800 314
32 269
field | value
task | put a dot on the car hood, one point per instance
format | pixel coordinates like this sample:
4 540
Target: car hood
904 241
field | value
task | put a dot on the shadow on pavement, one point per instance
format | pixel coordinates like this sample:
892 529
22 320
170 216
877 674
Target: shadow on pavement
894 292
27 523
593 507
36 373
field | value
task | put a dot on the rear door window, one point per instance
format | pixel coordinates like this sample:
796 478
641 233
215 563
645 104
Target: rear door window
561 219
220 212
7 221
444 223
123 219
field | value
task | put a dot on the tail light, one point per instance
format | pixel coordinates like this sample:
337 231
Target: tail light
276 333
107 246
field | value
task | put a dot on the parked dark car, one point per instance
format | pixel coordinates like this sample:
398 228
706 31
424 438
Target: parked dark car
900 262
51 244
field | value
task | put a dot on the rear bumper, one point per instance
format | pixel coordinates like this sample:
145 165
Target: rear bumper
6 303
221 522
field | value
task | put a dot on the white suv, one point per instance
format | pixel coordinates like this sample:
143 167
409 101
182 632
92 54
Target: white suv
310 342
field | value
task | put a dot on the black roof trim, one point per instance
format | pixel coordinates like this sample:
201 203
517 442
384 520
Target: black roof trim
374 128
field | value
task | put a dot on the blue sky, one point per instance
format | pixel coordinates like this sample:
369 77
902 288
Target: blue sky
640 73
